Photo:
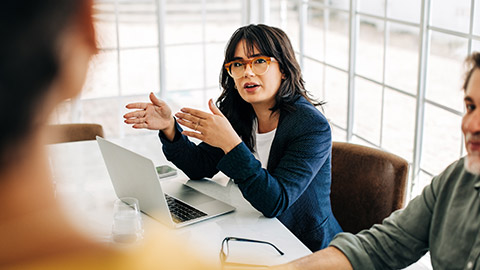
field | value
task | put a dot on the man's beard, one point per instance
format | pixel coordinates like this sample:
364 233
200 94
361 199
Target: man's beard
472 160
472 164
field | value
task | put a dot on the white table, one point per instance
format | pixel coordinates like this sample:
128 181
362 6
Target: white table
83 186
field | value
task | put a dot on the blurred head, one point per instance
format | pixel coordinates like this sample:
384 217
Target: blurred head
45 49
471 119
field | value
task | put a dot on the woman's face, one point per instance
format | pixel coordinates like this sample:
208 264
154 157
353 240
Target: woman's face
258 90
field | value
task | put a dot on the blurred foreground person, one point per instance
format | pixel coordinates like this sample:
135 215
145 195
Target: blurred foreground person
45 50
444 219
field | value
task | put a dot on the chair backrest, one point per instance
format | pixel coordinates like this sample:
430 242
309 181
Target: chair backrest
74 132
367 185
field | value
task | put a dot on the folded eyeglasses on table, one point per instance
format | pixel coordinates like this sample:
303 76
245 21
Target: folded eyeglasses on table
225 251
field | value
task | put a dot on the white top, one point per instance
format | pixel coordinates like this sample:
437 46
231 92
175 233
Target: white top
263 143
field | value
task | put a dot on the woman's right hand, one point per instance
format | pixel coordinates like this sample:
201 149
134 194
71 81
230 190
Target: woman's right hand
155 116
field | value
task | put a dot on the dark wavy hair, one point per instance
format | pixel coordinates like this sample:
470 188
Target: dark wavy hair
269 41
31 33
472 62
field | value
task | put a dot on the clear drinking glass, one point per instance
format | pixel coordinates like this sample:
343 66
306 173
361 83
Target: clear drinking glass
127 221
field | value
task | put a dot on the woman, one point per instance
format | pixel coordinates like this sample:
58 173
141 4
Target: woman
266 134
46 47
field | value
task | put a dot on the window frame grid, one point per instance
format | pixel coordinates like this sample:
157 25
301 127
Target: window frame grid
426 29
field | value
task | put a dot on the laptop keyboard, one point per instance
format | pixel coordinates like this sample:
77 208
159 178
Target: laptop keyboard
181 211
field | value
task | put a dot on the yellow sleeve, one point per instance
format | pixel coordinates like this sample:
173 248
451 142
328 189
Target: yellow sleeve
159 250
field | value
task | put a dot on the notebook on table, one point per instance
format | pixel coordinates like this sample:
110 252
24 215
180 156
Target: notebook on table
172 203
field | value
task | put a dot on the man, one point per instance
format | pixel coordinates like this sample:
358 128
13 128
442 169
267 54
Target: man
444 219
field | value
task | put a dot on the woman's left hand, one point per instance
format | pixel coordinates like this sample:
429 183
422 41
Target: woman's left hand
213 129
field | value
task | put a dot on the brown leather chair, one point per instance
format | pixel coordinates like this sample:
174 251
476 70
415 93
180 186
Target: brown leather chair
367 185
73 132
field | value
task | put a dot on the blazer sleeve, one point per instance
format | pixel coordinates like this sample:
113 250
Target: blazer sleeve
196 161
305 147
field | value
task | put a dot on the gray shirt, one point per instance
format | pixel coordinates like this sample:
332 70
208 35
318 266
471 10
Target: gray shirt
444 219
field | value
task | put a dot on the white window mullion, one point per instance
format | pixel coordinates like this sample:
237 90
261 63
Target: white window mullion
161 7
353 38
421 88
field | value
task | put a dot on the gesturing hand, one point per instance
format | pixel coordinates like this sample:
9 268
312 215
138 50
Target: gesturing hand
156 115
213 129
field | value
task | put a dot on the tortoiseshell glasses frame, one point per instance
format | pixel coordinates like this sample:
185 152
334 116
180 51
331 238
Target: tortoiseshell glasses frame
259 65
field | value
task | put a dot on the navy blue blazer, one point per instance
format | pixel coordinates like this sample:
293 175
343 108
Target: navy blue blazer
295 187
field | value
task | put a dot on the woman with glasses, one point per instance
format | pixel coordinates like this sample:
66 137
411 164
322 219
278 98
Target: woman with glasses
264 133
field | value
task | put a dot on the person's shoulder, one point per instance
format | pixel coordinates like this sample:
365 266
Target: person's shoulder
159 250
302 102
304 119
453 175
305 109
455 168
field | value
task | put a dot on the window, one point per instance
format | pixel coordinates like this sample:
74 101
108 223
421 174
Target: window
390 74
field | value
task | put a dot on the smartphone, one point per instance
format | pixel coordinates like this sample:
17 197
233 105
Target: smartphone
165 171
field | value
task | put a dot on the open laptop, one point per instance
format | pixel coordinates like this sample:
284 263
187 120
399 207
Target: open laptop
172 203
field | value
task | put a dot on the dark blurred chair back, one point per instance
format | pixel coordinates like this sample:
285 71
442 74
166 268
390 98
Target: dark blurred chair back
74 132
367 185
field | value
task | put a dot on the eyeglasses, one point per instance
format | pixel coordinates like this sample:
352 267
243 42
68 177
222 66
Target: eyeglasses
259 66
224 251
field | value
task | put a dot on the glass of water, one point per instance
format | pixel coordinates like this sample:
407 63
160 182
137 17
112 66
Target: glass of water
127 221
